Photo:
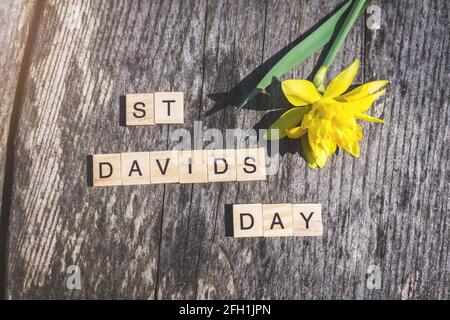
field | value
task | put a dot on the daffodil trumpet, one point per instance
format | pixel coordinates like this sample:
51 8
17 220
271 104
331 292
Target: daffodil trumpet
326 121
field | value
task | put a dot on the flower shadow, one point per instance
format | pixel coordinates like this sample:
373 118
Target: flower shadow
285 145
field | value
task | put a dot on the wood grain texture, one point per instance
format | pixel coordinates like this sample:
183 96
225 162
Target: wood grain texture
388 209
15 20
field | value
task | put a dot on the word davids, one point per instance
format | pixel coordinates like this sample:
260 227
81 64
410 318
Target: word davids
191 166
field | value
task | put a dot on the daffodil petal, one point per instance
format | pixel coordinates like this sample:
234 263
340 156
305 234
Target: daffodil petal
366 117
362 105
321 143
351 146
346 135
328 146
307 120
355 149
320 157
295 133
288 120
364 90
308 152
300 92
342 82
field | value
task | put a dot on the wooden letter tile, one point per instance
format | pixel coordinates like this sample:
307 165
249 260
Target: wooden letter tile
164 167
139 109
106 170
251 164
247 220
193 166
221 165
169 107
135 168
277 220
307 219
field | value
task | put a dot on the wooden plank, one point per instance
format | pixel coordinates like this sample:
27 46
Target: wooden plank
387 210
404 181
335 266
256 268
191 254
15 19
78 73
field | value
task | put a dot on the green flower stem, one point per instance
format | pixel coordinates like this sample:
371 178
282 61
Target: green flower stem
358 8
319 79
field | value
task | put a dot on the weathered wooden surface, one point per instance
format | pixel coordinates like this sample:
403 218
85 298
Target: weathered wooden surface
389 208
15 19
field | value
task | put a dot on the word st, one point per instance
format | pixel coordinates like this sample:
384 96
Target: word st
146 109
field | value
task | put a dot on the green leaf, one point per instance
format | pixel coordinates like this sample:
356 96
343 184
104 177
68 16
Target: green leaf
302 51
288 120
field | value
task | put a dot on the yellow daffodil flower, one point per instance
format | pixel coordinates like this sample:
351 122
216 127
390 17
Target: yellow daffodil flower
325 121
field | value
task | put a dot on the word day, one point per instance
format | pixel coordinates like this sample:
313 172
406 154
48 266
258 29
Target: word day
146 109
187 166
277 220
